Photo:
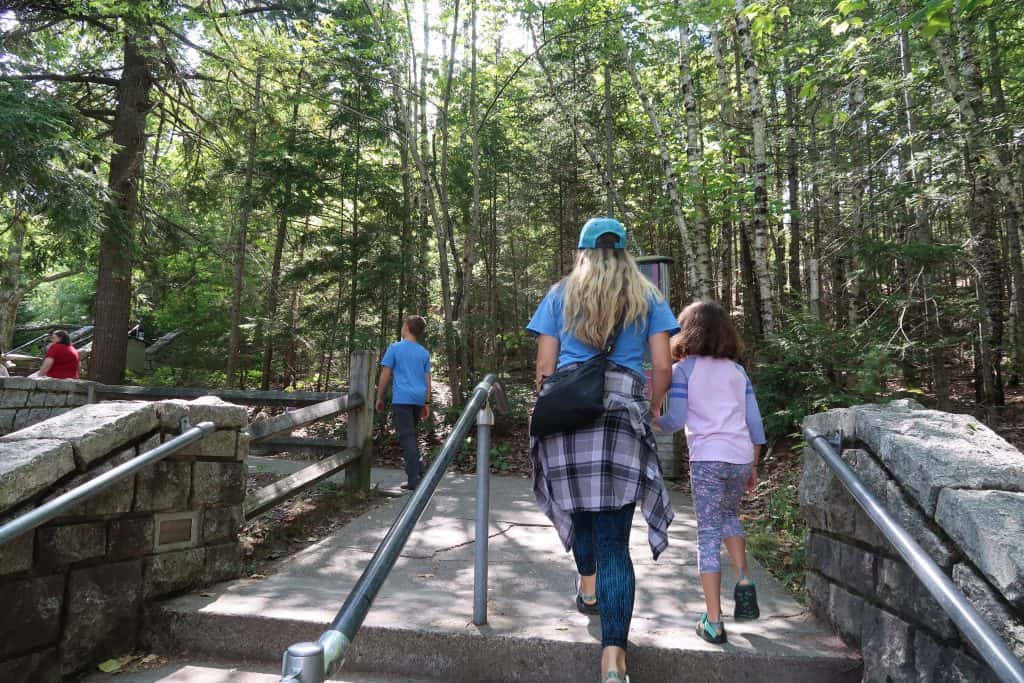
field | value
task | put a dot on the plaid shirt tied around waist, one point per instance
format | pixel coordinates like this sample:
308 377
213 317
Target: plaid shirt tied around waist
605 466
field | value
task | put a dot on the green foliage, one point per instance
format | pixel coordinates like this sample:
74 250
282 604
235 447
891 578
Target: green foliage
500 457
809 367
778 538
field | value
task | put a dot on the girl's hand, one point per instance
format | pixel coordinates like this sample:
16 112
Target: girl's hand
752 482
379 406
655 426
425 413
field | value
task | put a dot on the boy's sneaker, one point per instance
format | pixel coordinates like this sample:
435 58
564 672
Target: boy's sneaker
712 633
745 597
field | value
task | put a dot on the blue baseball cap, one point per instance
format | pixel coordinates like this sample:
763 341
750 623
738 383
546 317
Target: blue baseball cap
596 227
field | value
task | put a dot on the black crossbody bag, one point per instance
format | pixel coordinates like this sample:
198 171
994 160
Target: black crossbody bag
574 398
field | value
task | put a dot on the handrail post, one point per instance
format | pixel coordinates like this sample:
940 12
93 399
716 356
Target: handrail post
303 662
360 420
484 422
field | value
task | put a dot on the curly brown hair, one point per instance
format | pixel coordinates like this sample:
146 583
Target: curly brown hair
705 329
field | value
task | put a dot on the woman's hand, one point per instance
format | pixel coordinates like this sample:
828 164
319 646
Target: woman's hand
752 481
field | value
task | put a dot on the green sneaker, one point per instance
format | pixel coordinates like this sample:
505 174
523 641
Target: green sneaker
745 597
713 633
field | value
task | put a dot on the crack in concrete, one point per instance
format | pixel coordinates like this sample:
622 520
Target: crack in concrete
456 546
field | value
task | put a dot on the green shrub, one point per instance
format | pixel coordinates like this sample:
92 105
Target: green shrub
808 367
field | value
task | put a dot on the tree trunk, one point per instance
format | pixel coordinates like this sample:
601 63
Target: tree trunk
700 280
701 224
727 123
609 152
759 227
569 113
354 247
114 282
11 292
241 241
853 270
1013 219
793 182
273 291
981 162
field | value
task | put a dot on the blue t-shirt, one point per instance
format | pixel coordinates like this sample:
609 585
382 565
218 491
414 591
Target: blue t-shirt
410 362
630 346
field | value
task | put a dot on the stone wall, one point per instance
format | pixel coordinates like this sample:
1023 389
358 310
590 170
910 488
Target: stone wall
958 490
72 590
24 401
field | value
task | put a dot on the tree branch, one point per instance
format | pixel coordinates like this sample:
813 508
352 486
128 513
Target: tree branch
52 278
65 78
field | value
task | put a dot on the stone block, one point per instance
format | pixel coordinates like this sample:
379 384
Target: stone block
28 417
223 563
31 615
242 446
928 450
888 647
901 590
831 422
129 537
991 607
846 614
163 486
7 417
28 467
826 504
94 430
204 409
150 442
114 500
38 667
16 555
843 563
17 383
52 399
218 483
988 526
61 385
818 589
174 571
60 545
222 443
75 400
920 527
41 399
14 398
937 663
102 614
221 524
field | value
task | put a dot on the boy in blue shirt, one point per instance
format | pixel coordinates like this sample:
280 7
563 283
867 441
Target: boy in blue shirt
408 363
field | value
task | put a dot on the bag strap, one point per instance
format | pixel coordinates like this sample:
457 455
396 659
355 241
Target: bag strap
609 346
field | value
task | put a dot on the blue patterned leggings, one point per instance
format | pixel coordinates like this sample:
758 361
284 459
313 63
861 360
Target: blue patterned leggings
717 489
601 544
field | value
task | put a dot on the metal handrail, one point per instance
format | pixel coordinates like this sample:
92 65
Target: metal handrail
49 510
313 662
985 640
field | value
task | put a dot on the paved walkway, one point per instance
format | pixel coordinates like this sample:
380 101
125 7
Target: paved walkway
426 603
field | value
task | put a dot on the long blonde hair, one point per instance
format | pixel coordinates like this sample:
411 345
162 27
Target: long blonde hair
604 285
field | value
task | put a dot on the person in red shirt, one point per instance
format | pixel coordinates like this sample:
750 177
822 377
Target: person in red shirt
61 359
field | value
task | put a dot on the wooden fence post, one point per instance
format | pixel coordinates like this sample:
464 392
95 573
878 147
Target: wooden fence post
360 420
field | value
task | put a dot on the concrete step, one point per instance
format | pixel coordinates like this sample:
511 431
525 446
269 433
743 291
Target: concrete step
218 672
421 622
